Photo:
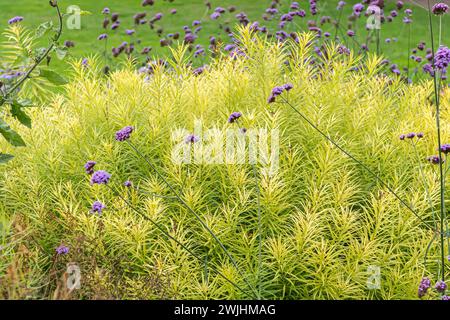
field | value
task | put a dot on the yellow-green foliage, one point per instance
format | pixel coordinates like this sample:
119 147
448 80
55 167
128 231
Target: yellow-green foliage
325 220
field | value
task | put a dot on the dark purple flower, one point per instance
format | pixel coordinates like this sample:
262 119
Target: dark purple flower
424 285
439 9
106 11
446 298
89 167
173 11
130 32
433 159
191 139
16 19
445 148
411 135
124 133
190 38
62 249
420 135
234 117
103 36
351 33
440 286
128 184
442 58
100 177
97 207
215 15
357 9
402 137
399 5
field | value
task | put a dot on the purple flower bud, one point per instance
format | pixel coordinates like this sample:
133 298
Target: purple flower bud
16 19
124 133
62 249
440 286
100 177
234 117
89 167
97 207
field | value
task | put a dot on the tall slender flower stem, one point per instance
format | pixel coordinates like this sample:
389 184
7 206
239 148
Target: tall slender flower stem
157 225
438 129
403 202
259 230
180 199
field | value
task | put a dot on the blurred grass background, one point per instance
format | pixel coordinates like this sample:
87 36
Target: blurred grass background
36 12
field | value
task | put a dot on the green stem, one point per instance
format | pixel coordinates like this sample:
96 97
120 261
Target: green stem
438 128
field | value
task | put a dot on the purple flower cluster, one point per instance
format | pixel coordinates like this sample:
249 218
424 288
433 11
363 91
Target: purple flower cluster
191 139
445 148
234 117
412 135
124 133
433 159
440 286
442 58
16 19
277 91
440 9
97 207
62 249
100 177
89 167
424 285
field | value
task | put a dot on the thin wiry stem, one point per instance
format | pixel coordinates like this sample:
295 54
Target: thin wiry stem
157 225
180 199
438 129
427 191
403 202
258 192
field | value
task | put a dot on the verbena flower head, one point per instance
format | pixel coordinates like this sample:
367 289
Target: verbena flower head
124 133
130 32
97 207
277 91
128 184
424 285
445 298
16 19
411 135
440 286
103 36
420 135
442 58
402 137
192 138
445 148
62 249
234 117
100 177
341 5
433 159
89 167
106 11
440 9
357 9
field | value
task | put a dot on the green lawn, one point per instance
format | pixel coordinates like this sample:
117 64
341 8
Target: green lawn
86 43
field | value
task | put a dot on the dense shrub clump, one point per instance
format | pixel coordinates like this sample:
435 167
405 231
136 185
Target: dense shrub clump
326 224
